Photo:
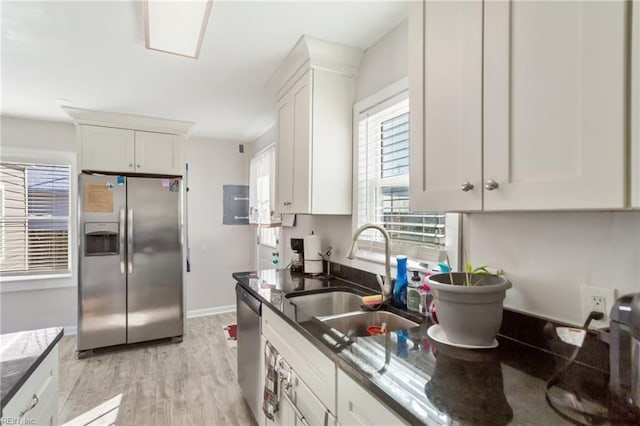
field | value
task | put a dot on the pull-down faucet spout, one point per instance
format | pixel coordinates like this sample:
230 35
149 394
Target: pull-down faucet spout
385 288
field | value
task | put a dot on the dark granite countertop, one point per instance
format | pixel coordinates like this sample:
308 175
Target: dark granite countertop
430 383
20 354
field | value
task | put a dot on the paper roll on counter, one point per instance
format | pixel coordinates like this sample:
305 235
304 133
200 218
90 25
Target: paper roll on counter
312 258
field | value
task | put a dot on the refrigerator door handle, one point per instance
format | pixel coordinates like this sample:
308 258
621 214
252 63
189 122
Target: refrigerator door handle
130 241
122 232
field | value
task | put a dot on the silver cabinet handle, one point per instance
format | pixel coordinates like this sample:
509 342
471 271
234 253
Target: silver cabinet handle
130 241
490 185
130 164
138 165
296 409
32 405
466 186
122 248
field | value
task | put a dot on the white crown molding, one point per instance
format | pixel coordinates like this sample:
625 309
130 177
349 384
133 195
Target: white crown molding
310 52
128 121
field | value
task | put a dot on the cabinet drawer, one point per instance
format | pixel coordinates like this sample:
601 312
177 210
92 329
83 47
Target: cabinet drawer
356 406
41 385
311 365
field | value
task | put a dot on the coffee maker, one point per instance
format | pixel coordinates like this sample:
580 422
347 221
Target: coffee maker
297 261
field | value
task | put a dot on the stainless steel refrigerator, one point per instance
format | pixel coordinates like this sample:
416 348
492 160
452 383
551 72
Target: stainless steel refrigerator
130 260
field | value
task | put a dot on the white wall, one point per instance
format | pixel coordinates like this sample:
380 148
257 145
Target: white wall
217 250
263 141
385 62
35 307
549 256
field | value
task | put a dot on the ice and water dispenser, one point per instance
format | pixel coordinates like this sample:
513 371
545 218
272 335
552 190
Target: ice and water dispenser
101 239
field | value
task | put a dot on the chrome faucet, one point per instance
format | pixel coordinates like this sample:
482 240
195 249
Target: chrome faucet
385 287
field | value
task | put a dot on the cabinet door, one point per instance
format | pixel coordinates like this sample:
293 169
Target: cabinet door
301 99
107 149
284 155
356 406
555 104
314 368
157 153
445 95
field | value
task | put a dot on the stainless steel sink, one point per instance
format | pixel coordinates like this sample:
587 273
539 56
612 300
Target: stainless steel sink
324 304
356 323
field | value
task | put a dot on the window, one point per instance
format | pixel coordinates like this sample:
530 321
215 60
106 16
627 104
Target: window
261 189
383 184
34 221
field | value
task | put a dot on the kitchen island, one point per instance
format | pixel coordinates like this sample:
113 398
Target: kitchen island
424 382
29 376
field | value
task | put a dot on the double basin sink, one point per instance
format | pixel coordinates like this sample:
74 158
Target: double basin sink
342 311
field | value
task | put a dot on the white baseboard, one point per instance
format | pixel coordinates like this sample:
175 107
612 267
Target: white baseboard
211 311
72 330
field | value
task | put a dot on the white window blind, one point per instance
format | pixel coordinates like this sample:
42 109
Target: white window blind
383 185
34 221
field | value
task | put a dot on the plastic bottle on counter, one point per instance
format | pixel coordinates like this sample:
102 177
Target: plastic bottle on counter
400 286
426 298
414 292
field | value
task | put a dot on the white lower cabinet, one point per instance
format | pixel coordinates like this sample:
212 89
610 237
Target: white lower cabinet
356 406
36 402
313 367
320 392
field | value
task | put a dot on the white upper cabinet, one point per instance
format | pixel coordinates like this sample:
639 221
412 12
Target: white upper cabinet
157 153
106 148
315 88
123 143
294 137
525 105
445 129
555 104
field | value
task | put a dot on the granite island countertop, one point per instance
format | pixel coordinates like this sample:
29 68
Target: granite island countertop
426 382
20 354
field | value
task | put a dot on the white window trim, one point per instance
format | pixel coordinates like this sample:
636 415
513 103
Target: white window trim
453 221
18 283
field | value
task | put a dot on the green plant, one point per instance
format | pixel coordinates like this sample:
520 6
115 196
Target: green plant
470 272
481 271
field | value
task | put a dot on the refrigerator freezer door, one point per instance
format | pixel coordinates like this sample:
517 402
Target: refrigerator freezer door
102 303
154 263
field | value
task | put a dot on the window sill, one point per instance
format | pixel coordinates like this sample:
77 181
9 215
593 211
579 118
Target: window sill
412 264
35 282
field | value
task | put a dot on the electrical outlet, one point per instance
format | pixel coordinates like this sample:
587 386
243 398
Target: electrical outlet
597 299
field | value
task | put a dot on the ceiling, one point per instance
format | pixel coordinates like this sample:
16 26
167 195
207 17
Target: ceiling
92 54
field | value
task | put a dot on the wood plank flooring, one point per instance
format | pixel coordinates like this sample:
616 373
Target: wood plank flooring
190 383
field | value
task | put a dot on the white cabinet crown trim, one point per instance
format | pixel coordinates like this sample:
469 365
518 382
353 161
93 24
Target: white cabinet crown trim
128 121
310 52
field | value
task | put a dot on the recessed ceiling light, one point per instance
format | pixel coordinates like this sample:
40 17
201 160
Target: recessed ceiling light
176 27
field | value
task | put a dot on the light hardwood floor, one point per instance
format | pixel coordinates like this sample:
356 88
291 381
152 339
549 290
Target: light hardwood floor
190 383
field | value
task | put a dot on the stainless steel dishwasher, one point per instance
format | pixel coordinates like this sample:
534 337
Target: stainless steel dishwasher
250 360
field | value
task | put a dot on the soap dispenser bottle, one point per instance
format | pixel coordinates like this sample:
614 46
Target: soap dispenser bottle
414 292
400 286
